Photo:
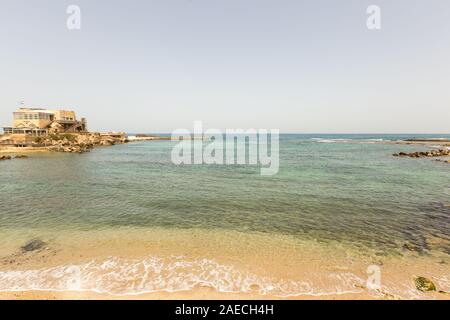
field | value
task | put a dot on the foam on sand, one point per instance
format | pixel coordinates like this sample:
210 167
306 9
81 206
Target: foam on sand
119 276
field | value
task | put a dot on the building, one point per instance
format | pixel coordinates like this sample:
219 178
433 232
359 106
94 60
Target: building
40 122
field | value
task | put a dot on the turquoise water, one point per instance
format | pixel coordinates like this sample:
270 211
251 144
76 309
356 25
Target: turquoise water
350 190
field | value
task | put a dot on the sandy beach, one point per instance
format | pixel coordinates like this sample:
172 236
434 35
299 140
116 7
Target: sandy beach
151 264
199 294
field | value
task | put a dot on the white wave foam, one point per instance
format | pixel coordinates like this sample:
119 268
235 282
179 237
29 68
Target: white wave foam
444 283
322 140
131 277
346 140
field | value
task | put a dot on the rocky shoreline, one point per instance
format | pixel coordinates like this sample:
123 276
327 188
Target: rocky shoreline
431 153
80 143
64 142
12 157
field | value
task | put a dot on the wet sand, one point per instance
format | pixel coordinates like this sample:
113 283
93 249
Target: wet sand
207 264
199 294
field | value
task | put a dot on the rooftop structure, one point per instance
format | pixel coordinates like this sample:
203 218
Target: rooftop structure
39 122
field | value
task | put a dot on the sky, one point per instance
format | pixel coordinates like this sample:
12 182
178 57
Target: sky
298 66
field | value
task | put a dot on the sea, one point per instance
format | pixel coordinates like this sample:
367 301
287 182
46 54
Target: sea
126 220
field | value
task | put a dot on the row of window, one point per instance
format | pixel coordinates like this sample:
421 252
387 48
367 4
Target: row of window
38 116
32 116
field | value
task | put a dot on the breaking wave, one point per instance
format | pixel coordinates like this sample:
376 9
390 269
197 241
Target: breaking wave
322 140
346 140
131 277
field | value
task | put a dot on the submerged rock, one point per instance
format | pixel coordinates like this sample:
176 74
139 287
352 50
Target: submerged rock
21 157
5 157
33 245
431 153
412 247
424 284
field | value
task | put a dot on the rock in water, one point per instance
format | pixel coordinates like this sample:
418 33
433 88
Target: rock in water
424 284
432 153
412 247
33 245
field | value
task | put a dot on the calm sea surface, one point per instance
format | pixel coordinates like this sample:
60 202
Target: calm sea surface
328 188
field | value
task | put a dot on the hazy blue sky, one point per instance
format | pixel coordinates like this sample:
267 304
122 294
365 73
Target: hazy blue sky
300 66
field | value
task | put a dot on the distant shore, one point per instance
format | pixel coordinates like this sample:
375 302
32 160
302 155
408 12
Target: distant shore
425 142
436 142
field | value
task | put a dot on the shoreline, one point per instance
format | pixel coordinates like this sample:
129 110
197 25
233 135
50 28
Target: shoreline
199 294
434 143
85 145
142 263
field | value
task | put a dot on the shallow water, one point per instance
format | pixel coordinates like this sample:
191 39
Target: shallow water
346 191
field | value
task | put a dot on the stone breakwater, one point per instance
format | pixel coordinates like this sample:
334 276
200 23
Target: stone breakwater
12 157
431 153
79 143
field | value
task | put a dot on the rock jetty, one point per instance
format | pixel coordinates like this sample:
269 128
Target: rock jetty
33 245
79 143
423 154
12 157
